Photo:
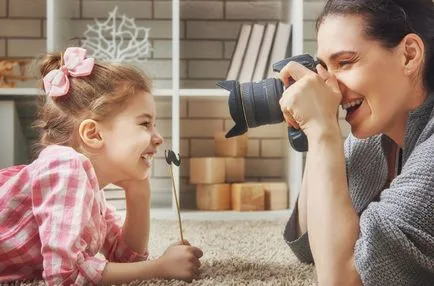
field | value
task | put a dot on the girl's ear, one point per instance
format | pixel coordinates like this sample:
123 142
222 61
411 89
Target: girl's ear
89 131
413 54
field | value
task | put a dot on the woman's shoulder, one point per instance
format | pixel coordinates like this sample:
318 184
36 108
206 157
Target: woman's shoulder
423 151
428 130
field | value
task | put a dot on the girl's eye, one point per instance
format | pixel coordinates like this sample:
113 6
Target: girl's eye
147 124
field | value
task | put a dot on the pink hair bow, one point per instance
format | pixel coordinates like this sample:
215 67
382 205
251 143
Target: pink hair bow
56 82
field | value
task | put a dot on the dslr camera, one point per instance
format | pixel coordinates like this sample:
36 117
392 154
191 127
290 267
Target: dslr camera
253 104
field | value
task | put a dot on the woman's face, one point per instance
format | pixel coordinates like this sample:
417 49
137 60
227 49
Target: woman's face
368 74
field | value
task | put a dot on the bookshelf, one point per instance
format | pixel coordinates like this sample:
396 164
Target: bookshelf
60 29
293 15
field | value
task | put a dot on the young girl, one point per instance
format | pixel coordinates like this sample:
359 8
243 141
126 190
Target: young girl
98 127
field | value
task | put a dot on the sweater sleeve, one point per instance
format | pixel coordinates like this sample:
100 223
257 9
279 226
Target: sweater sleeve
396 242
298 244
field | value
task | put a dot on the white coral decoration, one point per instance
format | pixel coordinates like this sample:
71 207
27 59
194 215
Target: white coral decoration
117 42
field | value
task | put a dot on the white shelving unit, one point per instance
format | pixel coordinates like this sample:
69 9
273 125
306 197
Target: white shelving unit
58 31
294 159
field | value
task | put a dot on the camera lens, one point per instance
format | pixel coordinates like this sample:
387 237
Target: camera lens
261 102
253 104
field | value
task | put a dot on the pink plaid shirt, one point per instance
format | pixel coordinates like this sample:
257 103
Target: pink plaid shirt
53 221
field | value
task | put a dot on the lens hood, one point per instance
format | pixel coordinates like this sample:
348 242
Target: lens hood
236 108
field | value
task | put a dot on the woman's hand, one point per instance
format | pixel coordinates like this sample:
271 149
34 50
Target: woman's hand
181 261
312 101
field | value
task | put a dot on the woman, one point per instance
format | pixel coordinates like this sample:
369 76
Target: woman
365 214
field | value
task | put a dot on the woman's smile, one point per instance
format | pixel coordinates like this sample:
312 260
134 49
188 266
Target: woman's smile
352 109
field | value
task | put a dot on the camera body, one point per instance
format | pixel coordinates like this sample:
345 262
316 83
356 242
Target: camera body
253 104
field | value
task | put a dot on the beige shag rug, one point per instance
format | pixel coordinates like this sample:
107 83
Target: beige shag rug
235 253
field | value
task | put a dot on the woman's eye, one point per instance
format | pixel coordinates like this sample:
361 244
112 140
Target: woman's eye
343 64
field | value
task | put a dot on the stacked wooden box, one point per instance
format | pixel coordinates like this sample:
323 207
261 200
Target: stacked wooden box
220 180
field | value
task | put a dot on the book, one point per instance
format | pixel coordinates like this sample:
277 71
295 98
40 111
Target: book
239 52
249 61
264 53
280 49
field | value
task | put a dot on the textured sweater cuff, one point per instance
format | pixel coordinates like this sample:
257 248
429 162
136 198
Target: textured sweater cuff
298 244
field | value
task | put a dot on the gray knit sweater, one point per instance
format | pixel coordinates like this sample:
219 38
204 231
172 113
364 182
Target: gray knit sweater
396 241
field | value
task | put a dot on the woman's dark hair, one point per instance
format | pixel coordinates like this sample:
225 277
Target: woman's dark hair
389 21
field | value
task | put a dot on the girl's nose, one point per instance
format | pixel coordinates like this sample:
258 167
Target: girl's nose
157 139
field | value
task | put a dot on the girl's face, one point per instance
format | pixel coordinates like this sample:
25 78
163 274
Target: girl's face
131 140
370 76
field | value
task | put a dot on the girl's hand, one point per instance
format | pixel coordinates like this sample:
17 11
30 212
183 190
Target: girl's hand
133 186
181 261
312 101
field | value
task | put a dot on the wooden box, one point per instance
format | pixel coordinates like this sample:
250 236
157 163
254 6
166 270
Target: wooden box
213 197
207 170
230 147
235 169
248 196
276 195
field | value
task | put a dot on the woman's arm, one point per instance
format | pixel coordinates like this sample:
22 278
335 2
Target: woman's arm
332 222
312 102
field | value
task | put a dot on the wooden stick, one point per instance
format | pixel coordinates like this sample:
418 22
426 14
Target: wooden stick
177 204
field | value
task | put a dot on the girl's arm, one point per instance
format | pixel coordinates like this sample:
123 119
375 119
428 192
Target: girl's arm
179 261
129 242
118 273
136 226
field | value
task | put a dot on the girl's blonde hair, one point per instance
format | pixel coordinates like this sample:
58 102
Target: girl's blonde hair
98 96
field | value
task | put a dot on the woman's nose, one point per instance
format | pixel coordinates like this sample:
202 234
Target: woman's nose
341 85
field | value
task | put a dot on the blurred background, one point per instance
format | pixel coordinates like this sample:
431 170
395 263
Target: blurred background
192 45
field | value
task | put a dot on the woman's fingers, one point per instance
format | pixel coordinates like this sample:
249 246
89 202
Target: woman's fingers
284 106
293 71
290 120
329 78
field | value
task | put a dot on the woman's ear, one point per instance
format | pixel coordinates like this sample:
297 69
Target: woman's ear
90 135
413 54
